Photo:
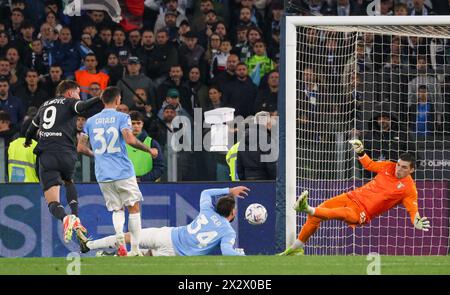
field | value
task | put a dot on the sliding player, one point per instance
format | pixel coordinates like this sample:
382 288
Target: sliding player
392 185
204 234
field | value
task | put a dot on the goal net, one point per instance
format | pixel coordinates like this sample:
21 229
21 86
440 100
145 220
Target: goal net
386 81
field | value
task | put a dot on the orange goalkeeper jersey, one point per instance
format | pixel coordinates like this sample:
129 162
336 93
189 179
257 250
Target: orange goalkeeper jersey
385 190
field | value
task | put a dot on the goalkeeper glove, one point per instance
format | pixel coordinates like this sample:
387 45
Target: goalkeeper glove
357 146
421 223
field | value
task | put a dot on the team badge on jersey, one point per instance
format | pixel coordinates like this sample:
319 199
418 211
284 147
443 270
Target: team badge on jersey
400 185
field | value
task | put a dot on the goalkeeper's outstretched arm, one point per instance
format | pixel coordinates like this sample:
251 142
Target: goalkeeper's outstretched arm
365 160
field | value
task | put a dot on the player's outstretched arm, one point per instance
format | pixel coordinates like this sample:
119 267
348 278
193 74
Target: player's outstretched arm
364 159
83 145
358 146
81 106
239 191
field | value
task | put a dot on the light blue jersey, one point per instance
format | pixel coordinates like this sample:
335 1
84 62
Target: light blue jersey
107 143
206 231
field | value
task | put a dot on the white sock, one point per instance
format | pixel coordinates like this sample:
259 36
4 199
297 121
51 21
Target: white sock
134 227
298 244
106 242
310 210
118 219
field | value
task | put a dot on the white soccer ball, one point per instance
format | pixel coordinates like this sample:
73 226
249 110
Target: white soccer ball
256 214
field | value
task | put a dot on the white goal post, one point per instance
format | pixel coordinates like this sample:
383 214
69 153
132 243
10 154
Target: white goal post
348 27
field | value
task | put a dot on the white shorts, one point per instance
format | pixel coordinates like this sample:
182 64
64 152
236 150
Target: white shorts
158 240
120 193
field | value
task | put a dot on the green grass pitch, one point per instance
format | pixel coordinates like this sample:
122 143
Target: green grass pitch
264 265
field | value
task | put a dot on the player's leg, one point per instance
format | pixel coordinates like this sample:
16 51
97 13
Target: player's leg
51 181
67 169
131 197
114 205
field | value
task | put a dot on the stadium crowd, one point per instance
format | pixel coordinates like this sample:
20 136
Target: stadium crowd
168 58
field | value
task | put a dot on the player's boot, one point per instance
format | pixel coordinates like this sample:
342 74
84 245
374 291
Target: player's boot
122 249
292 252
105 253
68 223
302 202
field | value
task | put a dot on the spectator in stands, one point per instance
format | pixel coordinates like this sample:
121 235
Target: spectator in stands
66 54
31 92
384 139
118 46
253 34
267 97
6 132
95 90
273 22
17 17
199 20
248 14
48 36
134 39
173 98
249 163
347 8
123 108
219 59
85 46
134 79
5 72
147 167
26 37
113 68
241 47
425 76
4 43
176 81
400 9
259 64
212 48
51 19
241 93
38 58
394 77
421 115
198 90
229 75
172 6
191 54
52 80
419 8
214 99
11 104
86 77
183 29
170 25
221 29
210 23
12 55
165 56
165 125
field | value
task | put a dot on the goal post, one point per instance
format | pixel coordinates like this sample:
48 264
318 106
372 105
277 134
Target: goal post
316 137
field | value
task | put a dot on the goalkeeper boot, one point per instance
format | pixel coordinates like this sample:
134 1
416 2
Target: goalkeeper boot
83 240
292 252
301 205
68 223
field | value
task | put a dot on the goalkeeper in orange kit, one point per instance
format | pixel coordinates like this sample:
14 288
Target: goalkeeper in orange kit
391 186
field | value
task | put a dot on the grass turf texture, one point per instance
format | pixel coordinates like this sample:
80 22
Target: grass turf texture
268 265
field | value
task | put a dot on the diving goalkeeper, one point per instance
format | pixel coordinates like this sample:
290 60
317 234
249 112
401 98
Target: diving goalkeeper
391 186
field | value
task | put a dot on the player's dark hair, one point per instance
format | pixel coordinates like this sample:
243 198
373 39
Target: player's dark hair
225 205
407 157
136 116
65 85
110 94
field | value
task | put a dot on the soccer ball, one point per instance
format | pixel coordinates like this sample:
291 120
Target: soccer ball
256 214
